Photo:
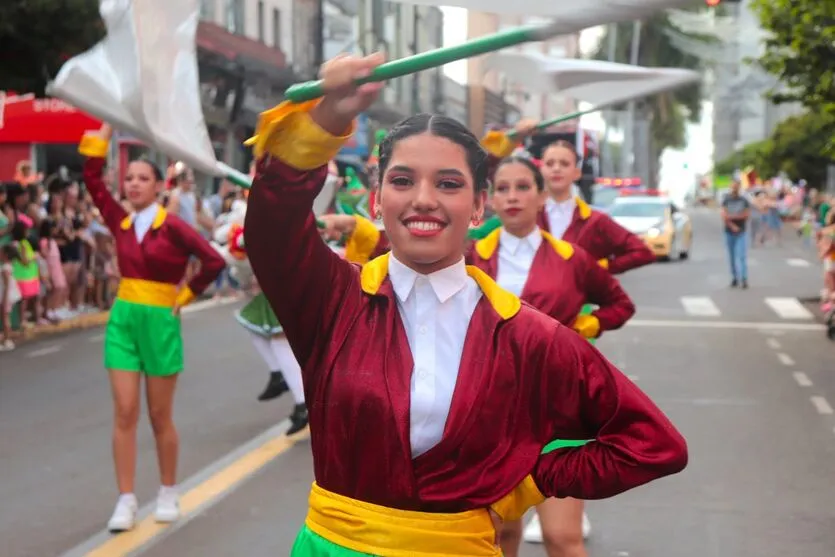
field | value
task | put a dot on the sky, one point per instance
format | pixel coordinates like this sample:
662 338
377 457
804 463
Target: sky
678 167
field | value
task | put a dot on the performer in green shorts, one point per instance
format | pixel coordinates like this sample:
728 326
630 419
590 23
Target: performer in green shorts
143 335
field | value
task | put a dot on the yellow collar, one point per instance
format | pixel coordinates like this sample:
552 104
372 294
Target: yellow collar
127 222
487 246
582 207
506 304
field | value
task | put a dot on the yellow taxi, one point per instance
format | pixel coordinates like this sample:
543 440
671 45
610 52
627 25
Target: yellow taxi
667 230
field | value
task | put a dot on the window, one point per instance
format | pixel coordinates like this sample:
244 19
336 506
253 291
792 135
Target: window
235 16
276 28
261 20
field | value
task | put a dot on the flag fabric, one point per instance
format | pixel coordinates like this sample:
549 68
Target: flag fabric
602 10
595 82
142 78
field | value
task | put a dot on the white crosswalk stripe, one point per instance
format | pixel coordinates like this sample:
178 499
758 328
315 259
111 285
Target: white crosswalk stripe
785 308
788 308
701 306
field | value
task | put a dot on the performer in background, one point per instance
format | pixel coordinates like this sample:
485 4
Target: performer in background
143 337
431 390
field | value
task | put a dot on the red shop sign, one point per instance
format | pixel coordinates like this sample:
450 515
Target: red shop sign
26 119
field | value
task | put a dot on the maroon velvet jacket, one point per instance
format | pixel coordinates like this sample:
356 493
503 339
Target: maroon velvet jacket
598 234
164 252
524 380
603 238
561 280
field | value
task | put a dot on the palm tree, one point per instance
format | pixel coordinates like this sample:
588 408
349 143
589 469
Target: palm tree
669 112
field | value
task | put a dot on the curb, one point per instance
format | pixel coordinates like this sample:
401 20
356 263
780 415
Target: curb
93 320
81 322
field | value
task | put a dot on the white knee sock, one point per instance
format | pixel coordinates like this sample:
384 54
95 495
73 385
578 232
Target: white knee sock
263 347
289 367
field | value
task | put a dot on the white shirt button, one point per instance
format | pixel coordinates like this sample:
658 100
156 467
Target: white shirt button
422 373
423 329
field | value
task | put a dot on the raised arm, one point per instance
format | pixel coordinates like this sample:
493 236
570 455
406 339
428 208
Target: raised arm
627 251
308 285
583 396
603 290
94 146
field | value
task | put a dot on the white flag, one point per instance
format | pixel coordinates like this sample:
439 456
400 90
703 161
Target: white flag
142 78
590 12
598 83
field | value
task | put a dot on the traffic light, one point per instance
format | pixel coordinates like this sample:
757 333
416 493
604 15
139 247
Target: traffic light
712 3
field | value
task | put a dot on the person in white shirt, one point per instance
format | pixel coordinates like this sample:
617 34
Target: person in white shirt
431 389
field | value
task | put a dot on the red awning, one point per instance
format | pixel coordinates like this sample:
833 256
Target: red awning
216 39
25 119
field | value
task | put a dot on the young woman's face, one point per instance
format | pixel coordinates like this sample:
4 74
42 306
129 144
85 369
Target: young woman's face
559 167
141 186
427 199
516 199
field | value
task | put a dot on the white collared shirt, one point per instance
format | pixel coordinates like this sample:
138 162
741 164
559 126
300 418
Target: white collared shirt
515 259
142 220
559 215
436 311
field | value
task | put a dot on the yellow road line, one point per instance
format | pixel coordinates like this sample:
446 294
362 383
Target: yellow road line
213 487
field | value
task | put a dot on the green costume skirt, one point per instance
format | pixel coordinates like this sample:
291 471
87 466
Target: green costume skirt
143 338
258 317
310 544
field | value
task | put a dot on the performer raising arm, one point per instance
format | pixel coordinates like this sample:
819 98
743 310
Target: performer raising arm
431 390
143 336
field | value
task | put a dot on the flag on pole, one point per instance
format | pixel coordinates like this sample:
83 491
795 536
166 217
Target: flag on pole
598 83
142 78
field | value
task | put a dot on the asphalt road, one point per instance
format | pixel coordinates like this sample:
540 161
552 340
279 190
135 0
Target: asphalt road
746 376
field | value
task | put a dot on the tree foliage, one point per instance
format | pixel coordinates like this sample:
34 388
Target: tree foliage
669 111
800 49
37 36
800 146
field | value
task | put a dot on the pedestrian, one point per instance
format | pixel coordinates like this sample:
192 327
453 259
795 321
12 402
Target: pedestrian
432 391
736 210
143 337
9 294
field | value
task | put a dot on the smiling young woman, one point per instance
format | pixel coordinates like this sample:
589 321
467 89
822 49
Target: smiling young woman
143 336
431 390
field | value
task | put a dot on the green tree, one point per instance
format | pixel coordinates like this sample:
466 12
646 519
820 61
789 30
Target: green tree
800 49
37 36
800 146
669 111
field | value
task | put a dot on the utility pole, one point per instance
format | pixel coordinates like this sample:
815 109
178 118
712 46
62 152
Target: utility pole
415 77
627 154
606 155
319 35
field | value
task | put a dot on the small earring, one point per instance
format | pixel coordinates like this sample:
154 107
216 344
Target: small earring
377 215
475 220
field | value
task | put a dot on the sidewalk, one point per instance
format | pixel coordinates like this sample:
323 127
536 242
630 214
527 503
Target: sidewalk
99 319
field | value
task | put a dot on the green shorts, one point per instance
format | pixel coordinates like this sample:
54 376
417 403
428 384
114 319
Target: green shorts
143 338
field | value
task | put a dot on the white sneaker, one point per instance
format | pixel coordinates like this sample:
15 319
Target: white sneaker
168 505
6 345
533 531
124 515
586 526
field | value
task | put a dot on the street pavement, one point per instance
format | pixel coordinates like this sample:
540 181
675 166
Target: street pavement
746 376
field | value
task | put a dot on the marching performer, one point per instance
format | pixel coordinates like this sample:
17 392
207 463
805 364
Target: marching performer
432 391
568 217
552 275
258 317
143 337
